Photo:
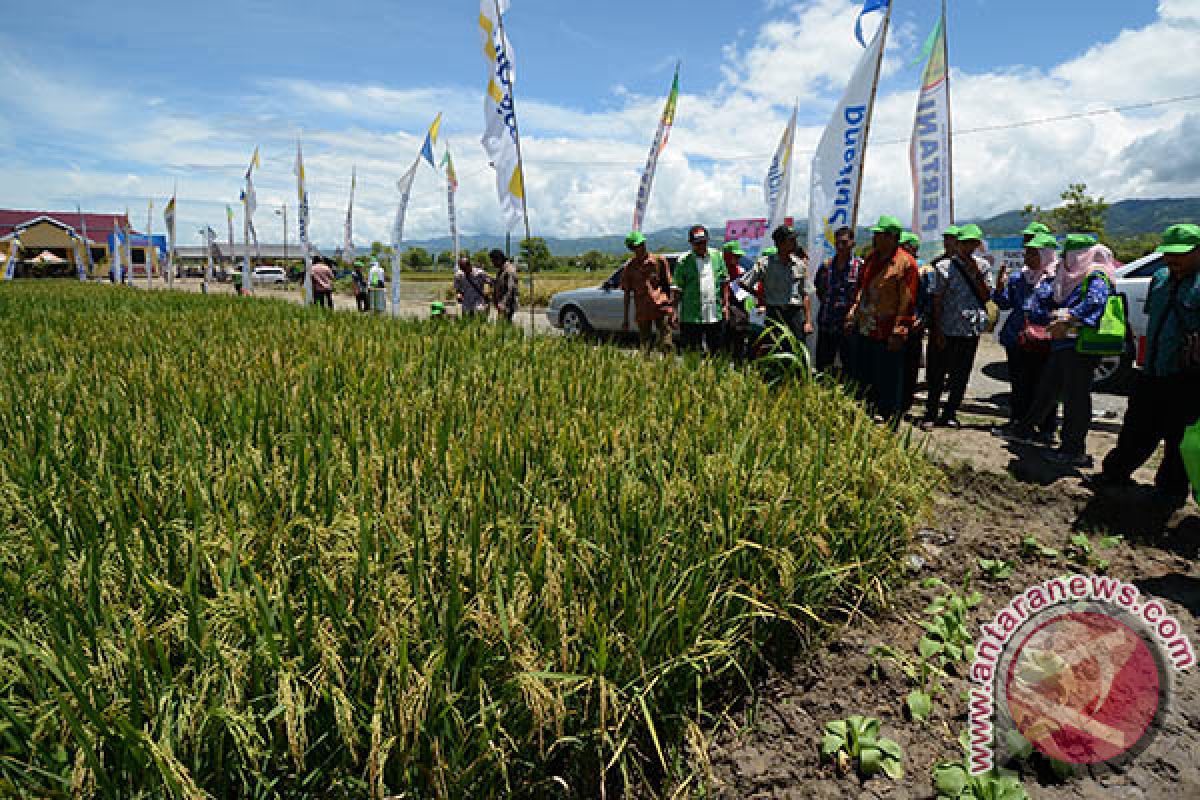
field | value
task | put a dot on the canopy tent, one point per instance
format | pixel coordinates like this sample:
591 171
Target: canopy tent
46 257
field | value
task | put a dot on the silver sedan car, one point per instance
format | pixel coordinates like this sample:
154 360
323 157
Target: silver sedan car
596 310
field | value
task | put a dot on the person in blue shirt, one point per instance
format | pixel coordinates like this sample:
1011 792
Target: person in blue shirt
1029 296
1085 279
1166 400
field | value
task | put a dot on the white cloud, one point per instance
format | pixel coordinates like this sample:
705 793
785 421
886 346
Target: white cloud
583 165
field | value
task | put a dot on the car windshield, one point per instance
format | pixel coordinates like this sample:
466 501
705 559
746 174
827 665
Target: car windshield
1148 269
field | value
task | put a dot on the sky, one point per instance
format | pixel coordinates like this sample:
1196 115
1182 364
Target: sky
112 104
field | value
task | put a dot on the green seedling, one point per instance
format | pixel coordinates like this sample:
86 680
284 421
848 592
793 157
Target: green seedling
954 782
855 743
947 633
1082 552
1032 548
996 569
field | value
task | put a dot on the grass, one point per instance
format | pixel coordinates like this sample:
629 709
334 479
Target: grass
252 550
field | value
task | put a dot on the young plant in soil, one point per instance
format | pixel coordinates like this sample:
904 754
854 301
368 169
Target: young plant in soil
996 569
855 743
1032 548
947 634
1083 553
952 780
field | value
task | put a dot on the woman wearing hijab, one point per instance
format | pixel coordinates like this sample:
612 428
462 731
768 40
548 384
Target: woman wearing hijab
1083 282
1029 296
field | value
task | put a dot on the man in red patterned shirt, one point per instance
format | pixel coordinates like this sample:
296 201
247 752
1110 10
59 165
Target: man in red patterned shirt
881 318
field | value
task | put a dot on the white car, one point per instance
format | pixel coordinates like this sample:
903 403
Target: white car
595 310
270 275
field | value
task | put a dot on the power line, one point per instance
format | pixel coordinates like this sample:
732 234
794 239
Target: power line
1029 123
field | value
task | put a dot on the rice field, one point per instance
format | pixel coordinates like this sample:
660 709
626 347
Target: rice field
254 550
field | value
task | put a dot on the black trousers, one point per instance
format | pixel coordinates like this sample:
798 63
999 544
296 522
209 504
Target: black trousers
833 345
323 298
912 368
695 335
1025 370
1069 375
1160 411
949 369
363 300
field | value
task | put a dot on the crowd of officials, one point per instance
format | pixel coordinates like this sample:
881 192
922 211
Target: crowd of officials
881 317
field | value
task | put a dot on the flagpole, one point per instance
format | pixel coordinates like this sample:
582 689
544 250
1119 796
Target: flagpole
520 162
862 167
949 115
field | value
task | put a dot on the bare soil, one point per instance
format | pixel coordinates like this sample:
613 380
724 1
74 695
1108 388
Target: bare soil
994 496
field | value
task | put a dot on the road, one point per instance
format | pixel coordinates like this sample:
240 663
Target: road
987 391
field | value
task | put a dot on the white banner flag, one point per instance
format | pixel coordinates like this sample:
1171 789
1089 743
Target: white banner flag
778 187
169 218
656 148
149 257
933 209
8 260
117 245
499 114
302 207
405 186
348 233
837 165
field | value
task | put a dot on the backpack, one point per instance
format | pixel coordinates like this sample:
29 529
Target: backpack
1109 336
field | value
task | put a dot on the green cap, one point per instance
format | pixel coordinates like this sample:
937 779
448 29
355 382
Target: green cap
734 247
908 237
437 309
635 239
1034 229
968 233
1043 241
1078 241
888 224
1180 239
953 230
769 251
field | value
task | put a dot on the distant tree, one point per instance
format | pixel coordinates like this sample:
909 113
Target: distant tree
1079 213
417 258
536 254
445 258
480 258
597 261
377 249
1131 248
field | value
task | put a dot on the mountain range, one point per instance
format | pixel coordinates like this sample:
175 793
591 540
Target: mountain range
1124 218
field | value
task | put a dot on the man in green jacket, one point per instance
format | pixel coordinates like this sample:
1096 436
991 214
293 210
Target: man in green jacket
701 289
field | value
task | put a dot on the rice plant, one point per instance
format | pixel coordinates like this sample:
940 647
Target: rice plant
254 550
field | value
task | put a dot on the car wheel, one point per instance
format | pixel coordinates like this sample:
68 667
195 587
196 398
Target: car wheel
574 323
1113 373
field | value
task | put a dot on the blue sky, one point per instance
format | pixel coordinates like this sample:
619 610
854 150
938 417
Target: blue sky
110 104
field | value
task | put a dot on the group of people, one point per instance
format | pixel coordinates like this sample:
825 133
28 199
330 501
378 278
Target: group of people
477 290
881 317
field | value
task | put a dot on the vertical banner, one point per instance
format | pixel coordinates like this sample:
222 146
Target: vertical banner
499 113
929 155
149 257
169 218
210 241
87 246
232 241
451 188
8 260
302 221
778 186
249 205
348 233
405 186
837 166
660 144
115 250
127 273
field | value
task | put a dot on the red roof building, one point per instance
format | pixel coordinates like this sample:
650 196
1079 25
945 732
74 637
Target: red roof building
99 226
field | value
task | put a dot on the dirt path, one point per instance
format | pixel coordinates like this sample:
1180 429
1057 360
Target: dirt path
995 496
